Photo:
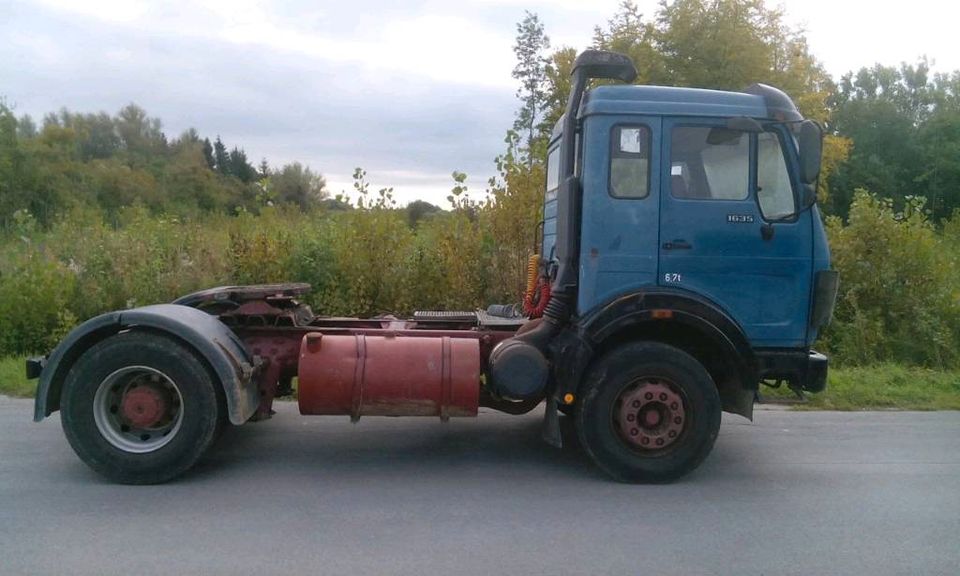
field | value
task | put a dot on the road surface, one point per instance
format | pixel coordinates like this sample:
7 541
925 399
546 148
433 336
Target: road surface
792 493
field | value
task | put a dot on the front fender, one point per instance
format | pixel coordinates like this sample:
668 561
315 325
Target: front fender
209 337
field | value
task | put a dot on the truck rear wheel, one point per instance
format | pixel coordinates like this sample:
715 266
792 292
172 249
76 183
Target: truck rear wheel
648 412
140 408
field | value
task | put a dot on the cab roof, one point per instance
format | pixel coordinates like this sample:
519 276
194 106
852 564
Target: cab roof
758 101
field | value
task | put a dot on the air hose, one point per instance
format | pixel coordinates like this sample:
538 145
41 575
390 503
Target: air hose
538 289
533 267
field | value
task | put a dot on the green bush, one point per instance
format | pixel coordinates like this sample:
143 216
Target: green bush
898 297
34 293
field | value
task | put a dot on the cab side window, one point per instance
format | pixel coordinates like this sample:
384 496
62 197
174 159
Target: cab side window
774 192
709 163
630 162
553 172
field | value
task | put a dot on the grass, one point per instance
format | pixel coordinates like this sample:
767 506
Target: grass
13 379
882 387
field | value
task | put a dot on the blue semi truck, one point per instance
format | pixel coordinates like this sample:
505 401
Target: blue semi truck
682 263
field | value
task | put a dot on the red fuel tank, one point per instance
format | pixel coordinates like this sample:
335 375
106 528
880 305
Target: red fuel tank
389 375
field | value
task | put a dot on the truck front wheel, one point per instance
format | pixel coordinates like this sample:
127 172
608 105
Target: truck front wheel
648 412
140 408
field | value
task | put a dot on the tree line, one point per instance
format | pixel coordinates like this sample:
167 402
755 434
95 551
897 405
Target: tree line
893 130
112 161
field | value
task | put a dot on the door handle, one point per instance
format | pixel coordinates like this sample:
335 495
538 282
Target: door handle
678 244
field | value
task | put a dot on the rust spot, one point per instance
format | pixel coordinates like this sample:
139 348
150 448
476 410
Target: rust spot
313 340
400 407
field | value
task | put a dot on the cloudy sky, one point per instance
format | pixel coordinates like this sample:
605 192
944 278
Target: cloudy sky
408 90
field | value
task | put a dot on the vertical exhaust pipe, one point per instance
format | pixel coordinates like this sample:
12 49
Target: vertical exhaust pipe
518 366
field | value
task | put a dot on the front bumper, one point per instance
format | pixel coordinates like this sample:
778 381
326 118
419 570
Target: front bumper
801 369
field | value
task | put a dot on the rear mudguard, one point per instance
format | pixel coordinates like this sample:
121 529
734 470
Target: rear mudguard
211 339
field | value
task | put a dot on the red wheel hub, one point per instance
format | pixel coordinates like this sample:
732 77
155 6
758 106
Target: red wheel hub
144 406
651 415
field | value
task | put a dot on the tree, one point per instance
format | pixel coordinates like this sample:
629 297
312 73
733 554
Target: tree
99 137
140 135
904 125
628 33
557 72
418 210
26 127
239 166
726 45
221 158
208 154
720 44
297 184
530 70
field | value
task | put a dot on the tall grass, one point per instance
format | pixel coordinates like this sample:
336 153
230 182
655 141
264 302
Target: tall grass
899 299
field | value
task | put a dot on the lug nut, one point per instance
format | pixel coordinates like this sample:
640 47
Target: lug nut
636 404
678 420
648 395
659 441
634 431
663 397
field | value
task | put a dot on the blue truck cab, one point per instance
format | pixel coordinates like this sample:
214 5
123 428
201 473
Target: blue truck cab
674 199
681 244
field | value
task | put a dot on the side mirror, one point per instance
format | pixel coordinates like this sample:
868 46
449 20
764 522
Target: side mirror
810 140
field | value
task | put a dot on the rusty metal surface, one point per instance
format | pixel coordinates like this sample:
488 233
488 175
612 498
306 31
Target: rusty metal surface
256 305
651 415
389 375
273 323
277 351
238 294
145 405
276 358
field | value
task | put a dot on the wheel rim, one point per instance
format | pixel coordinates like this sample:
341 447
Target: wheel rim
138 409
650 415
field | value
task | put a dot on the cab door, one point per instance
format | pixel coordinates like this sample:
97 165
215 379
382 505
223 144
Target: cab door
619 228
726 230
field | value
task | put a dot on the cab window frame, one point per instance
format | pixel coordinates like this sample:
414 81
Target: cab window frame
751 164
615 152
553 151
778 131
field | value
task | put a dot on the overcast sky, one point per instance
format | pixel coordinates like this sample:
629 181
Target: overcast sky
408 90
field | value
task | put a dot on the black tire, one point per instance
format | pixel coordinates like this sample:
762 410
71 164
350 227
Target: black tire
194 409
626 371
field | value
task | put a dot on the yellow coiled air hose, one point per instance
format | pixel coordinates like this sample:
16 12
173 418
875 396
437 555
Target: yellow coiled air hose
533 270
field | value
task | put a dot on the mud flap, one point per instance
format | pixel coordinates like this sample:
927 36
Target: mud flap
551 424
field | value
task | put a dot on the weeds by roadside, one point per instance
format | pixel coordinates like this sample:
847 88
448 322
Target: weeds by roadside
13 379
880 387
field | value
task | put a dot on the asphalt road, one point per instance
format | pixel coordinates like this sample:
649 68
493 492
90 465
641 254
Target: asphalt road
791 493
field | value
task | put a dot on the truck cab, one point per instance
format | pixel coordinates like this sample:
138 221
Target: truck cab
696 197
681 244
673 198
